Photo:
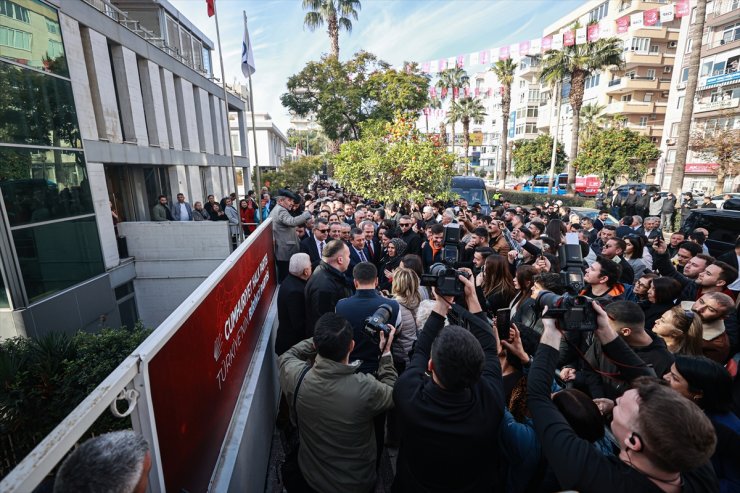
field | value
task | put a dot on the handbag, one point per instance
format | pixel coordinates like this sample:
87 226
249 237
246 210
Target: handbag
290 471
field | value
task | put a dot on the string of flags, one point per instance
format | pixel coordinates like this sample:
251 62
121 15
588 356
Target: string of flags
583 35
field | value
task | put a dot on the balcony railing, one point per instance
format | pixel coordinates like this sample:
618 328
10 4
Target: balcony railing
135 27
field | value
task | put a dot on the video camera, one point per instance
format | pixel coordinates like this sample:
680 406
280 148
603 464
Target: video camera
572 309
445 279
378 322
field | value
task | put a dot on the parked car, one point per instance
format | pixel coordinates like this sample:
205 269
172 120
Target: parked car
473 190
720 199
593 214
723 227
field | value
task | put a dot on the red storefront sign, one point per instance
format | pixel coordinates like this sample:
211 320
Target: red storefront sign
195 378
702 168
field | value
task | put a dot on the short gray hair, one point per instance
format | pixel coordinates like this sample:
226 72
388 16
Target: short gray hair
112 463
298 263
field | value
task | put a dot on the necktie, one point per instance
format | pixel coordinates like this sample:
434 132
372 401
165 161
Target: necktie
321 248
370 247
362 256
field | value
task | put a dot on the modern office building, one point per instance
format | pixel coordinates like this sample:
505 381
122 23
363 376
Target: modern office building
272 144
638 93
717 99
104 105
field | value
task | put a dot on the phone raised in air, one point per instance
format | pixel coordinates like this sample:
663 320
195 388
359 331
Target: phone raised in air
503 323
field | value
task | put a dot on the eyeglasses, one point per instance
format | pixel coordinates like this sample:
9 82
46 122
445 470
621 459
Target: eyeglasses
323 230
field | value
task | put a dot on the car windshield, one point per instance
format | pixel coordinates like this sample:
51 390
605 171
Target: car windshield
472 195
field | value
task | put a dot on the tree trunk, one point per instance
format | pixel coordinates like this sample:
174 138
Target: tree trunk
466 140
505 107
333 30
452 105
721 175
577 85
684 127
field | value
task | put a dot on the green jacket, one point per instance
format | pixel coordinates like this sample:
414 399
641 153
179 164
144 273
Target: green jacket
159 212
335 410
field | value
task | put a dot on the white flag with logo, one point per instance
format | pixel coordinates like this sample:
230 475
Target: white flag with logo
247 55
636 20
667 13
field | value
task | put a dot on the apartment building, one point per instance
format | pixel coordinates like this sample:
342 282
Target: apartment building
639 92
717 102
108 105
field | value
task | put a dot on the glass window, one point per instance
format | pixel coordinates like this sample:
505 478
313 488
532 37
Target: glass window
36 109
3 294
674 129
42 185
31 45
706 69
684 75
58 255
643 121
670 156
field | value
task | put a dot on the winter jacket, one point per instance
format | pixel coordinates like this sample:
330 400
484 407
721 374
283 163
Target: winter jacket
335 409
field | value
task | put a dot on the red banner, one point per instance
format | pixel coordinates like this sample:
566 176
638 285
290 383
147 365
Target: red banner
524 48
702 168
546 44
683 8
460 61
503 53
483 57
432 92
593 33
650 17
569 38
623 24
196 377
477 92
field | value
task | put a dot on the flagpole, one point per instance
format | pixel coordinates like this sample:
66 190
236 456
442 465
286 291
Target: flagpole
228 126
254 130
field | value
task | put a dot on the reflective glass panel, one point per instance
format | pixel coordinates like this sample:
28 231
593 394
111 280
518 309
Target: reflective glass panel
58 255
36 109
30 35
3 294
42 185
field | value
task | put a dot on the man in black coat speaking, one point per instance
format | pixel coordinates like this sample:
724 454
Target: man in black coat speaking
291 304
449 422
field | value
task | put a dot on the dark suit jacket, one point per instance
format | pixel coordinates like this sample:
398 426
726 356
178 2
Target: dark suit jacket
413 242
291 306
308 245
729 258
377 251
354 259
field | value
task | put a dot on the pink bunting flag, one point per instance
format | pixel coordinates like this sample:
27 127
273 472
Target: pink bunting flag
650 17
503 53
593 33
433 92
623 24
524 48
546 43
477 92
569 38
460 61
483 58
683 8
426 67
441 64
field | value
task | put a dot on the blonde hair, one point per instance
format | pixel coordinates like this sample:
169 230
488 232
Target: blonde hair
406 287
689 325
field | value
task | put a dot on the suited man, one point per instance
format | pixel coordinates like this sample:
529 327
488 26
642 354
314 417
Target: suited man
372 243
283 230
625 227
643 203
358 252
313 245
291 304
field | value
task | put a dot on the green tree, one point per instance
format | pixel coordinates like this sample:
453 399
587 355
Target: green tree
532 157
504 70
452 80
342 95
292 174
612 153
467 110
574 64
336 14
311 141
394 162
592 119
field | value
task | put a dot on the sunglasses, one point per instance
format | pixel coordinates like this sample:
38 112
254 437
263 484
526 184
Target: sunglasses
323 230
404 225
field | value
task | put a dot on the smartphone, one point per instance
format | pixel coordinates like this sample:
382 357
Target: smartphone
503 323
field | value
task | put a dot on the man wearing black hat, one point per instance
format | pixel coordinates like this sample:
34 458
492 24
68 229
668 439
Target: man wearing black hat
283 230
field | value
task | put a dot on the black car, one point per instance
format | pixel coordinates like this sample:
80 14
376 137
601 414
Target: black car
651 188
723 227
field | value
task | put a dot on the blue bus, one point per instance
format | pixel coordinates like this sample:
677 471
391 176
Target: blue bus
538 184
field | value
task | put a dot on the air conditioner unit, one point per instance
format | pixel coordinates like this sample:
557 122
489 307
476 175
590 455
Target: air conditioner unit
722 41
670 142
673 44
652 171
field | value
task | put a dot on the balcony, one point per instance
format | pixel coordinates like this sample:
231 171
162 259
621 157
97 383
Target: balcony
647 130
723 14
629 84
635 107
638 58
655 32
718 106
528 66
719 78
720 46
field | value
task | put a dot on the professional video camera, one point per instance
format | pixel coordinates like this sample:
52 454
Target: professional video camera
445 279
378 322
573 310
451 244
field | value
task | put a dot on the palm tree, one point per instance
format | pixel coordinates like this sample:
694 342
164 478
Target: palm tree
434 104
684 126
504 70
465 110
453 79
574 64
592 119
335 13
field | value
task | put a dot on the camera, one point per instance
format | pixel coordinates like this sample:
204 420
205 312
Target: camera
378 322
445 279
574 312
451 244
571 261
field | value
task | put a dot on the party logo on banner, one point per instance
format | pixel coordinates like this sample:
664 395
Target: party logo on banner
441 65
593 33
569 38
683 8
546 43
623 24
557 42
636 20
650 17
667 13
483 57
524 48
460 61
503 53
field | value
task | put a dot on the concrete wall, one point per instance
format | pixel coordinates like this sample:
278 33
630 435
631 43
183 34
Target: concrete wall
171 260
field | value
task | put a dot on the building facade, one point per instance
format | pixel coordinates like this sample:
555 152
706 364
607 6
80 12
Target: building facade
716 105
105 106
272 144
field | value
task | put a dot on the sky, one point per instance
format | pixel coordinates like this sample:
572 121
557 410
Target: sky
394 30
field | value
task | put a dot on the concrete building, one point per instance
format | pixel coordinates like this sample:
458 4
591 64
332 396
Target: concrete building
112 105
639 92
717 99
272 144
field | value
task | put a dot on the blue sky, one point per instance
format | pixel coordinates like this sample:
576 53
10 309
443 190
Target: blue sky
394 30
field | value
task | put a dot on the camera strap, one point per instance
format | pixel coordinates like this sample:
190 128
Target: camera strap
295 393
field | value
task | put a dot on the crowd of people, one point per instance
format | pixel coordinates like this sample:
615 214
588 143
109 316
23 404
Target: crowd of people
483 390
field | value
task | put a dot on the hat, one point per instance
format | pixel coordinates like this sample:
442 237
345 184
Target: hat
289 195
